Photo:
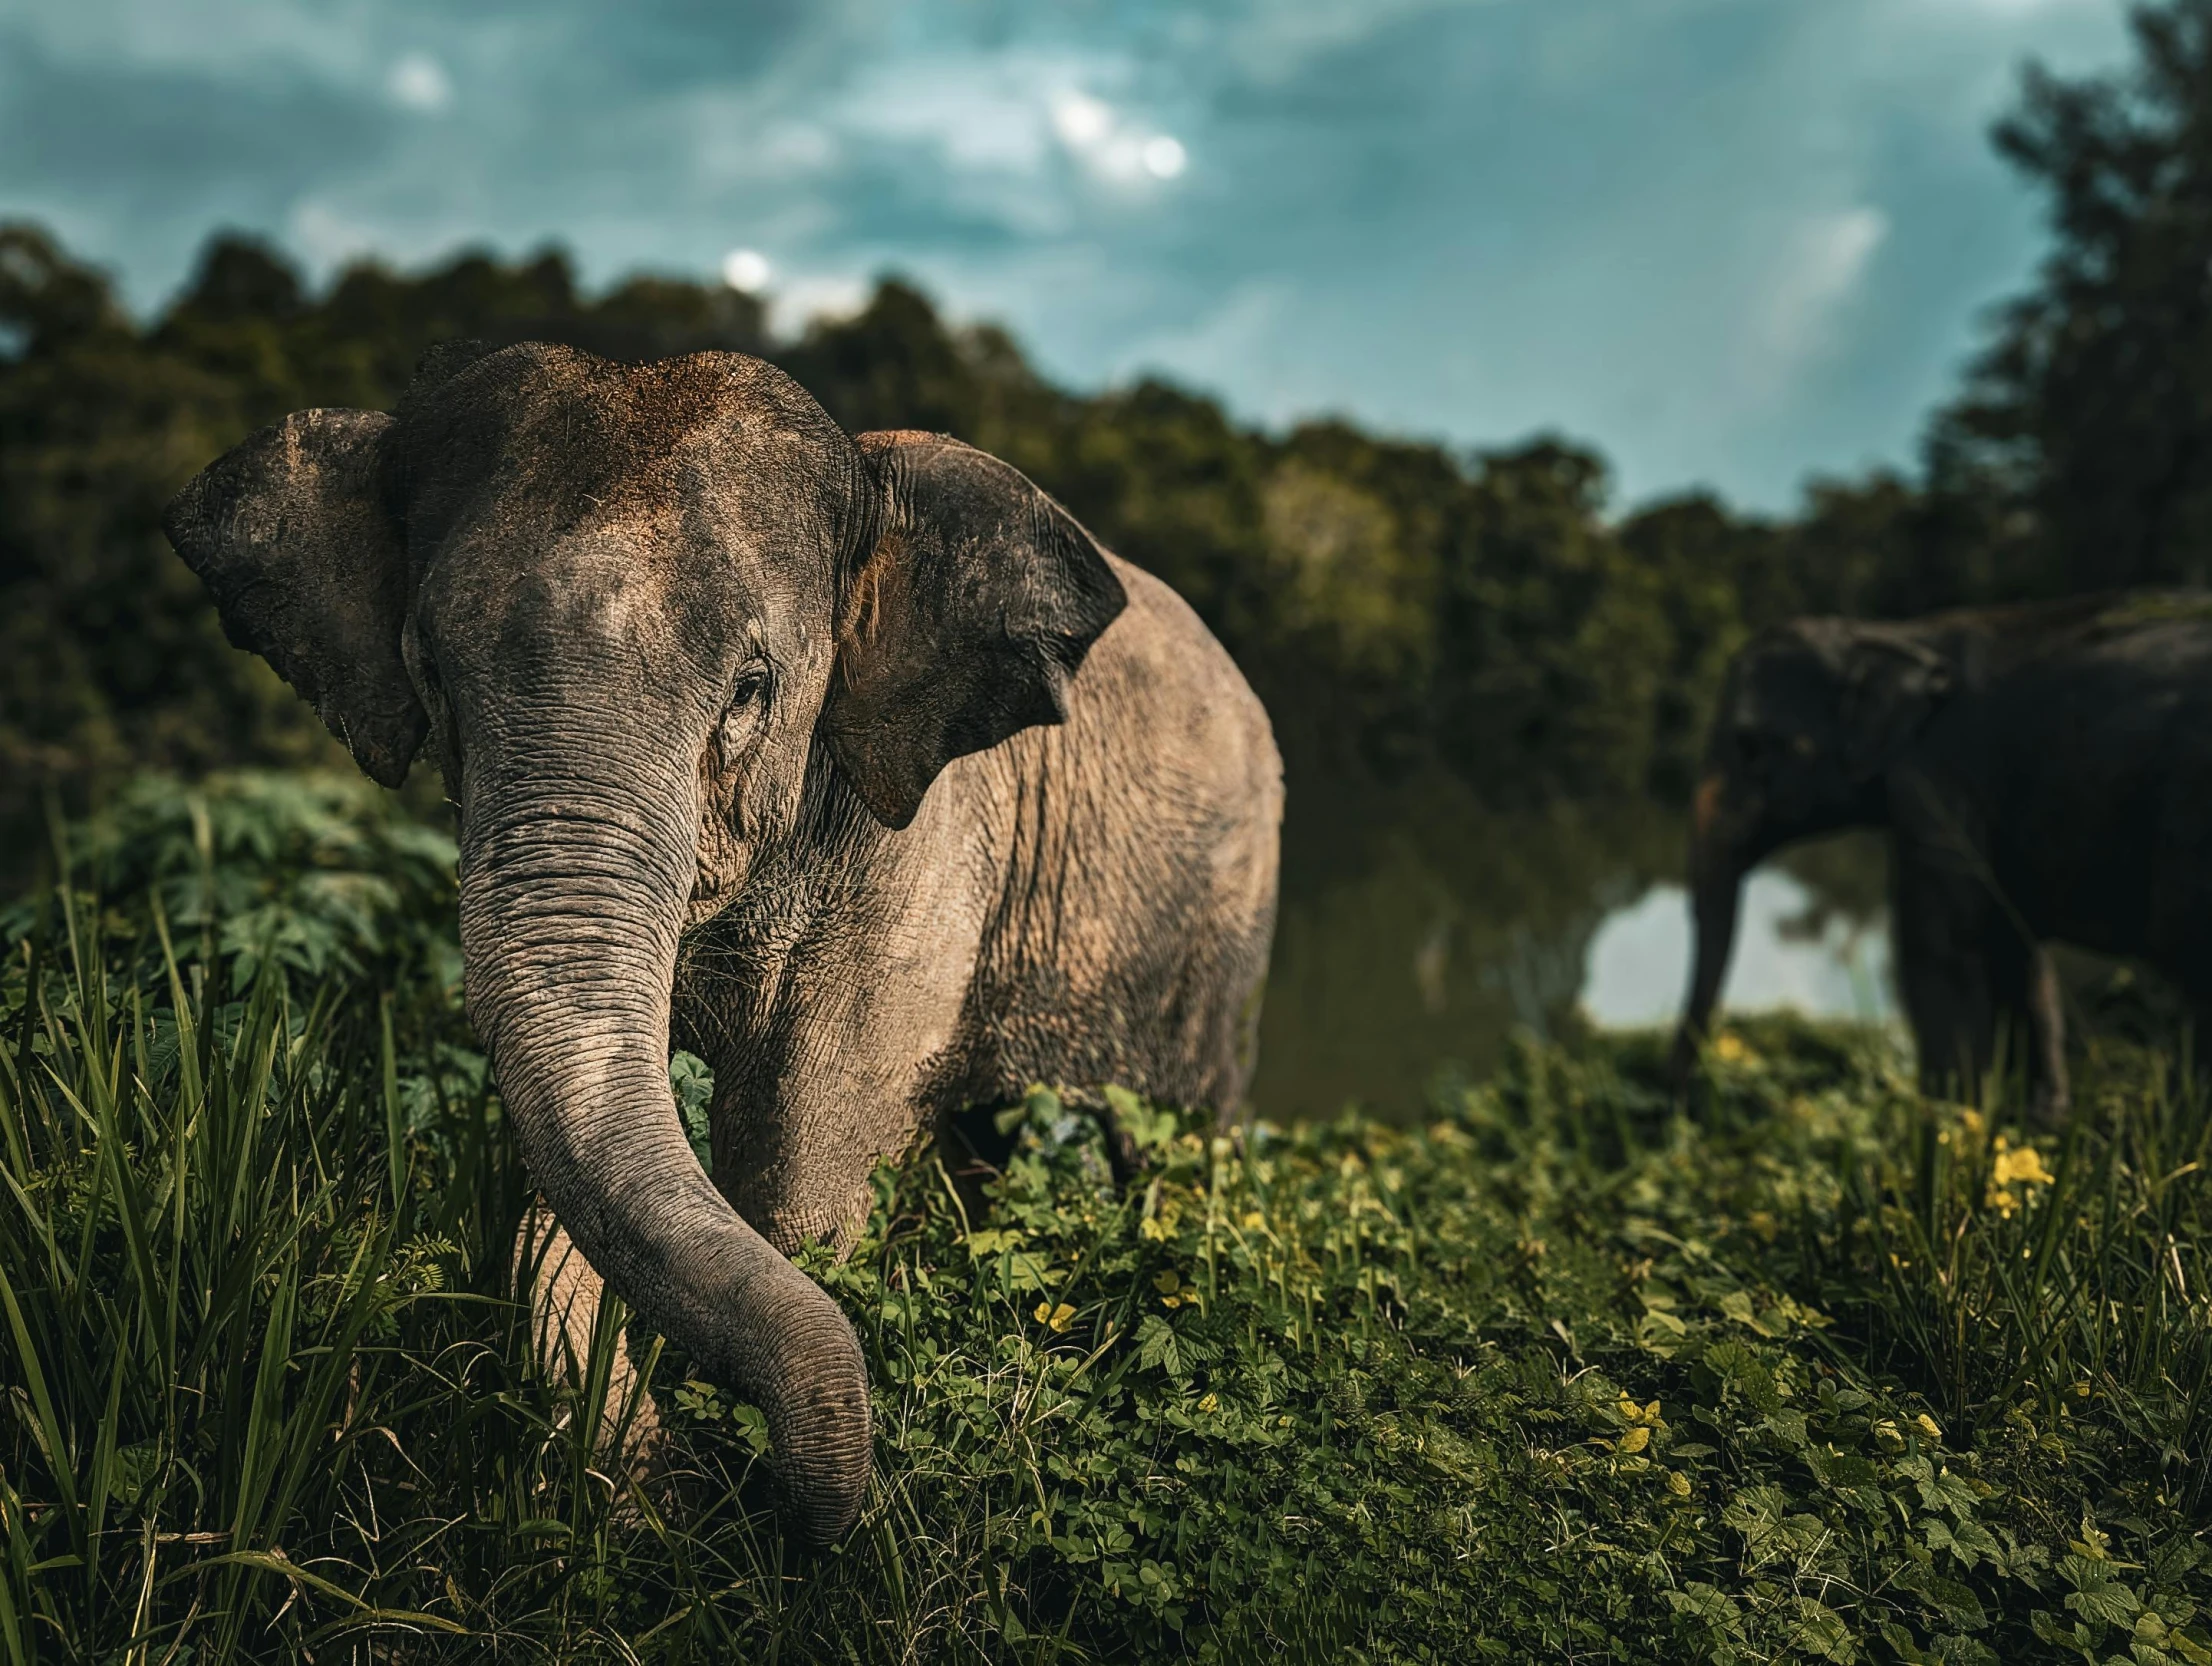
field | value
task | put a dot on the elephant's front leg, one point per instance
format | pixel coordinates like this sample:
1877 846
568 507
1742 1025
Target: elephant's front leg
565 1298
800 1122
831 1061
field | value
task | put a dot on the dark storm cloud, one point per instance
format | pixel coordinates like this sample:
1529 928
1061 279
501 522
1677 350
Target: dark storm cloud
168 142
1726 239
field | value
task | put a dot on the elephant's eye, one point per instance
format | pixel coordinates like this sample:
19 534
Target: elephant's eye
741 719
750 689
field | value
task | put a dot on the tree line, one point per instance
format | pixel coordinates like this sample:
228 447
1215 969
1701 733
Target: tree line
1402 605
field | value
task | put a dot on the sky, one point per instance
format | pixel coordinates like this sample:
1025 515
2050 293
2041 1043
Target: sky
1730 242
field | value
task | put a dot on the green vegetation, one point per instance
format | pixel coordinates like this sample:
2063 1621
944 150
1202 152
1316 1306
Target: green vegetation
1817 1370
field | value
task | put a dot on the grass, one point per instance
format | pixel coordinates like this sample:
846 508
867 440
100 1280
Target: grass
1818 1369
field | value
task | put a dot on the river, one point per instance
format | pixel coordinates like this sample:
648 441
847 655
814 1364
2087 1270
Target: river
1420 931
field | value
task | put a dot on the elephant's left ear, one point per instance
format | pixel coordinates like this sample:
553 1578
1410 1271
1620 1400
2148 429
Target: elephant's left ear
963 624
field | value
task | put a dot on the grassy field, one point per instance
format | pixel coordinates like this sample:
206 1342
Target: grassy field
1815 1370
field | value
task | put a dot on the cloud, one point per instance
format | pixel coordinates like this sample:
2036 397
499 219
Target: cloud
746 269
1114 145
1823 262
804 298
1727 240
420 82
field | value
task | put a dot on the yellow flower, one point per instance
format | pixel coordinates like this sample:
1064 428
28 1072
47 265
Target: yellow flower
1210 1402
1729 1048
1253 1220
2022 1165
1059 1318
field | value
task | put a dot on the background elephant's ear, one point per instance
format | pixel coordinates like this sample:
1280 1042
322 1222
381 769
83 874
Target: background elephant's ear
1893 684
963 624
289 532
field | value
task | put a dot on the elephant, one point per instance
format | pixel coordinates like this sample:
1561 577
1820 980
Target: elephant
856 765
2043 773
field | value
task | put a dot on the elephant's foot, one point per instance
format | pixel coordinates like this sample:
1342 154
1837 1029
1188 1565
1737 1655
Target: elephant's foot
564 1304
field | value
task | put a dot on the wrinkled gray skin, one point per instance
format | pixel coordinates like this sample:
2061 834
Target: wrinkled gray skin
2042 773
857 767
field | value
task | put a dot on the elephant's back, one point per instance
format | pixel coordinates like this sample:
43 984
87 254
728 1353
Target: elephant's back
2096 759
1159 687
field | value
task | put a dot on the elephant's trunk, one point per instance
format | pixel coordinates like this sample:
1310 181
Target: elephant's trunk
573 893
1717 865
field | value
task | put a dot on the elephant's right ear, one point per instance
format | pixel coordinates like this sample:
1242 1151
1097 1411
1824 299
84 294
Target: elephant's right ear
289 532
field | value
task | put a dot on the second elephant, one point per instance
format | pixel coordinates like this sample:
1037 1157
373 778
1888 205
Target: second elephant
2044 773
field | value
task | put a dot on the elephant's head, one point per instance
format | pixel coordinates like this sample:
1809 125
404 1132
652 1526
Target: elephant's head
1811 717
647 619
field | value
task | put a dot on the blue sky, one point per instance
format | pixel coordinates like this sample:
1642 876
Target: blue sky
1729 241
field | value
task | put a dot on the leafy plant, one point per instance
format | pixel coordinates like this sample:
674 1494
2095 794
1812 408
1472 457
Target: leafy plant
1565 1373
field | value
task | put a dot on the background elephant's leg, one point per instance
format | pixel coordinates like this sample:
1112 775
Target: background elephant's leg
1943 974
2050 1090
2028 1019
565 1298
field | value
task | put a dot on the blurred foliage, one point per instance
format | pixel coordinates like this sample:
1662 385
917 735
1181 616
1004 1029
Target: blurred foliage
1401 605
2086 426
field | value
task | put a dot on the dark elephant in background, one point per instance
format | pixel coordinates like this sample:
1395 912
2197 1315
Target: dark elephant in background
2043 773
856 767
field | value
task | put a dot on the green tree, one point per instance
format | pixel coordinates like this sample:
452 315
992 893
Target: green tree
1401 606
2091 410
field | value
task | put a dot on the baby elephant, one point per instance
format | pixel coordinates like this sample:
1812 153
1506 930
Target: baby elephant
2043 773
858 761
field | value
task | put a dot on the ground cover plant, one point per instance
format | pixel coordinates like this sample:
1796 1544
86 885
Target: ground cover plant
1812 1368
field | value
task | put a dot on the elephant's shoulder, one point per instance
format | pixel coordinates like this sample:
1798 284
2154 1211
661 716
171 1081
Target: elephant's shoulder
1159 629
1159 682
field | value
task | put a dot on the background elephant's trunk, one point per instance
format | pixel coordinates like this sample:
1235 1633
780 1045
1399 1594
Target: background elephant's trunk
572 899
1717 865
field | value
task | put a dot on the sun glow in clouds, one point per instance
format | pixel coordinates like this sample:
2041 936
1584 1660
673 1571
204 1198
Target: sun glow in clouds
1112 146
747 270
420 82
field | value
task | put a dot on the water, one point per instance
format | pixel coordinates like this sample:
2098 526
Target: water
1418 930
